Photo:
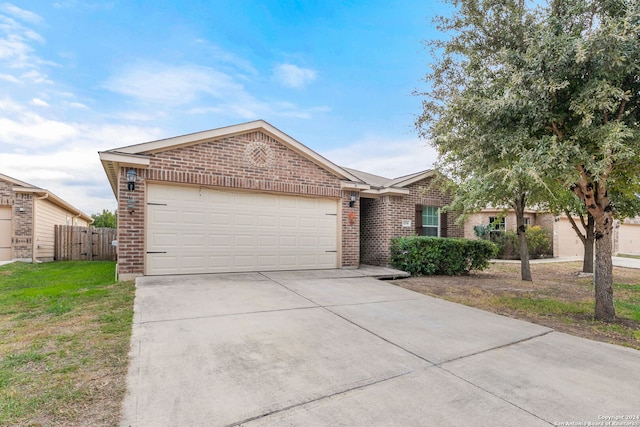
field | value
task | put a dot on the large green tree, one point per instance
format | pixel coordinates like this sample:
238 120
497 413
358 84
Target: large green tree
469 115
550 89
583 72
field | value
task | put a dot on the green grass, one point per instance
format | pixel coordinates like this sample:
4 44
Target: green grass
543 306
64 340
629 256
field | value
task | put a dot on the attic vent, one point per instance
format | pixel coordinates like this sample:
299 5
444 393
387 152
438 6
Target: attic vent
259 154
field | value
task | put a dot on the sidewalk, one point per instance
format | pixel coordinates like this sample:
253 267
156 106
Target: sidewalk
617 261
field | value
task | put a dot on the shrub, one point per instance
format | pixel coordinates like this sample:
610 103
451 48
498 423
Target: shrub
538 242
421 255
507 243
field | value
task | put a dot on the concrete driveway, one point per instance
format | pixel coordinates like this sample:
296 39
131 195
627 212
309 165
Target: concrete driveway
325 348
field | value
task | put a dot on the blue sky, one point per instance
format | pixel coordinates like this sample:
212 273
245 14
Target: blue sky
81 76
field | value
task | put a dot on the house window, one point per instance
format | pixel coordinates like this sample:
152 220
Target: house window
430 221
68 220
498 224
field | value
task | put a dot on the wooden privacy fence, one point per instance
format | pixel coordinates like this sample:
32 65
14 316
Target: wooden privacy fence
75 243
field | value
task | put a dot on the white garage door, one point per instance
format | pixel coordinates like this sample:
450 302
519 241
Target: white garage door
198 230
629 239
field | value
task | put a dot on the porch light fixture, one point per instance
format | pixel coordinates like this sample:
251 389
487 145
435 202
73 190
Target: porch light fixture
131 179
352 200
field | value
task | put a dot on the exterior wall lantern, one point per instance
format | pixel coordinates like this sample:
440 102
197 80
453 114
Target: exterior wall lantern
131 179
352 200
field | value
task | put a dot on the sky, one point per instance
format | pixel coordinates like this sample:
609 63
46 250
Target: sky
82 76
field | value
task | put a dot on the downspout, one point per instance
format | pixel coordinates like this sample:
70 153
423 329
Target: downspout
33 227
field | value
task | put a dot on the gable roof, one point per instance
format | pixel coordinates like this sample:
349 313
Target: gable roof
139 155
24 187
381 185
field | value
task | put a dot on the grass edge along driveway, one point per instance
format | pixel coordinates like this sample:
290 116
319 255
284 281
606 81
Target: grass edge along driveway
64 341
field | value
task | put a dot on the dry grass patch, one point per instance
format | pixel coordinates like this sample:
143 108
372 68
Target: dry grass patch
558 297
64 341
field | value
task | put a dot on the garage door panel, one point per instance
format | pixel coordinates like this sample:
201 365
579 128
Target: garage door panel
220 240
307 242
163 240
326 242
165 216
269 242
163 264
194 218
220 219
287 221
268 220
244 220
266 261
218 263
194 241
205 230
288 241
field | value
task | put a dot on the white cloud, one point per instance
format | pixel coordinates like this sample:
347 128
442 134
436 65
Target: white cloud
390 158
29 130
72 170
176 85
290 75
39 102
21 14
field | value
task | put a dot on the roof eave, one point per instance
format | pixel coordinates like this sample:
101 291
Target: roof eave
224 132
56 200
113 160
375 193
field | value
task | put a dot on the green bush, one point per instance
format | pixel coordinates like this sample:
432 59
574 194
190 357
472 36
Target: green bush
421 255
538 242
507 242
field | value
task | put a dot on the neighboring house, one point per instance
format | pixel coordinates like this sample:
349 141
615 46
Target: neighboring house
251 198
28 215
565 241
506 221
626 237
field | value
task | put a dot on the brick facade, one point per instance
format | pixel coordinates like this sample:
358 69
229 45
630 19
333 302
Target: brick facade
382 220
228 163
22 239
21 220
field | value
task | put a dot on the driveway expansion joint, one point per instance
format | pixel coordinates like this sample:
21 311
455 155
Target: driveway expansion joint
318 399
213 316
542 334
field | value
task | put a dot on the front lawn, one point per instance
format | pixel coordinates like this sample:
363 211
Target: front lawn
558 297
64 342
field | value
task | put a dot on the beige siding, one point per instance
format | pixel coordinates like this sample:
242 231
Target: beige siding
48 215
5 233
629 239
568 242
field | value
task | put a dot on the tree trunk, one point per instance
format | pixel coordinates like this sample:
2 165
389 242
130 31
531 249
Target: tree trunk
594 195
603 277
525 267
587 238
587 261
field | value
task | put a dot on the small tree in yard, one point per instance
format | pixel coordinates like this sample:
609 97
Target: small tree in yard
106 219
546 92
